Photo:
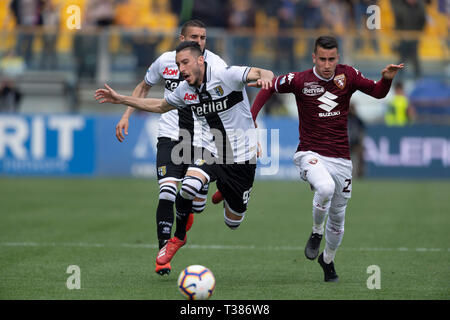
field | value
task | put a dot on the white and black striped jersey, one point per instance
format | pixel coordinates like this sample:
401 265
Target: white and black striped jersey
221 105
165 68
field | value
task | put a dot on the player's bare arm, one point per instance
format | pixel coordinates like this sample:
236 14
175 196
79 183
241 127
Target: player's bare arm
260 78
140 91
258 146
391 70
146 104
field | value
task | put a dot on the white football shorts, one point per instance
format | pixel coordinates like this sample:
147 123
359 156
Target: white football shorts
315 168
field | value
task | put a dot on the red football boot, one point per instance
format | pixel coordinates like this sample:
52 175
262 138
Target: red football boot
217 197
168 251
190 221
163 269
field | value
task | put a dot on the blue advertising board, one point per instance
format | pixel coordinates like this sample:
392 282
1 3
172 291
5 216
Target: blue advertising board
78 145
136 155
47 145
411 151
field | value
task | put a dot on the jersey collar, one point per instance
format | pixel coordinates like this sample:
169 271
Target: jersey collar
321 78
206 77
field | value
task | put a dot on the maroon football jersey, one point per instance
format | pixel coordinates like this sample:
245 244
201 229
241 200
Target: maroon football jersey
323 106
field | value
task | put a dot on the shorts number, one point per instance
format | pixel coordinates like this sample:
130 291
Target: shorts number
346 188
246 196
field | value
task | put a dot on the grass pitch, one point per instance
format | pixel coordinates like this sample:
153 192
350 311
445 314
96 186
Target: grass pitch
107 228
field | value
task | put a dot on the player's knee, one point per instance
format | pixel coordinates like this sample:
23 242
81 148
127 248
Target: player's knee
190 187
167 191
326 190
233 219
324 193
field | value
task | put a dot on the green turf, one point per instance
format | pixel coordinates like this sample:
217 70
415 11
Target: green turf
107 228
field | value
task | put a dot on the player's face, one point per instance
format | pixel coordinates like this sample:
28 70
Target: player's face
190 67
196 34
325 61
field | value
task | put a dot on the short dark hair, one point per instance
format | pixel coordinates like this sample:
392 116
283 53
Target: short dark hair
193 46
326 42
191 23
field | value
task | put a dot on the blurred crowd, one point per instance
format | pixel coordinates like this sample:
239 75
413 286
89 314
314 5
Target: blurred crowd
337 15
242 18
34 32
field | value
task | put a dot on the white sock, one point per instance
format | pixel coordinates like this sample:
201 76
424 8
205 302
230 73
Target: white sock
320 207
317 229
319 215
328 255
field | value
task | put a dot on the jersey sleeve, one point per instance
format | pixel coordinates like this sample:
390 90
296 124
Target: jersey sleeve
286 83
377 89
234 76
261 99
175 98
153 76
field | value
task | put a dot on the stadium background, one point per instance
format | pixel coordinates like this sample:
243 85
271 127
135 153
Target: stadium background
50 126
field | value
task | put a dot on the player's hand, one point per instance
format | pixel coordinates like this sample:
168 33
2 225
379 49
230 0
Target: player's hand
391 70
258 150
261 83
121 128
258 146
107 95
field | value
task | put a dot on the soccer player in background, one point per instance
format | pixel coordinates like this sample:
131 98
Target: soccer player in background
169 174
217 96
323 158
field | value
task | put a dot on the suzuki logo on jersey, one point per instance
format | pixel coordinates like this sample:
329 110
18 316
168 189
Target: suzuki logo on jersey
328 105
170 72
190 97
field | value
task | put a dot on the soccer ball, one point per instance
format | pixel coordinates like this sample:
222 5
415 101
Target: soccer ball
196 282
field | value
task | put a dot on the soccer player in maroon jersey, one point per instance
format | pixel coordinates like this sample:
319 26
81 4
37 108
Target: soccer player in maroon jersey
323 96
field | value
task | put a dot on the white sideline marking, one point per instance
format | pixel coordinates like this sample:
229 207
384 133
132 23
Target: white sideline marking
207 247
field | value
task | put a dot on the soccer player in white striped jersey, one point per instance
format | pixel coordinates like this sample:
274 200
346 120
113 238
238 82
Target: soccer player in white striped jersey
170 127
219 101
